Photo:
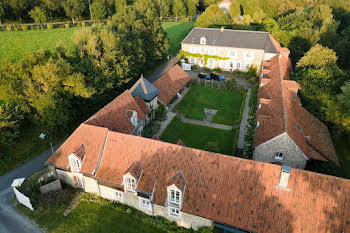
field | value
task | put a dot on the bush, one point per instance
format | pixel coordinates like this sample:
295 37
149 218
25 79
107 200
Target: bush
50 26
83 24
61 26
151 129
15 29
67 25
161 113
194 67
37 27
8 28
24 27
78 24
218 69
252 71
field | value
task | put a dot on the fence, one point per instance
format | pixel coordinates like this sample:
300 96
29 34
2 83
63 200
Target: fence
218 85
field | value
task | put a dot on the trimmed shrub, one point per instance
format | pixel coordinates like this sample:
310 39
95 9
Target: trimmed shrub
24 27
67 25
161 113
151 129
79 25
15 29
36 27
83 24
50 26
8 28
61 26
194 67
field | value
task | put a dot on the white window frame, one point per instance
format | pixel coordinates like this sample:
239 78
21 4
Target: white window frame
130 186
174 196
193 49
203 40
249 55
221 64
191 60
257 124
279 156
201 62
144 203
74 163
247 64
212 51
229 53
118 195
202 50
174 212
211 62
80 182
240 64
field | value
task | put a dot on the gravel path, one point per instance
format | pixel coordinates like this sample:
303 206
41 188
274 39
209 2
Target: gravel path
244 122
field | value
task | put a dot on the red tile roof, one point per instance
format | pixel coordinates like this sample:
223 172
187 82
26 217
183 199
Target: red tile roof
281 111
114 115
231 190
92 137
80 152
178 180
171 83
135 170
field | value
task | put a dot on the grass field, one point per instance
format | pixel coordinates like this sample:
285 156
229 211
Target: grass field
92 218
13 45
342 147
228 104
199 137
176 31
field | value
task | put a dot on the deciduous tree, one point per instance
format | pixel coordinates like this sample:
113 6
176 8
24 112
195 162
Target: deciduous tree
212 16
73 8
179 9
38 14
318 56
98 10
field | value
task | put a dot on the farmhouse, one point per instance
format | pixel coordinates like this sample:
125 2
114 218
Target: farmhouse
228 50
198 188
287 133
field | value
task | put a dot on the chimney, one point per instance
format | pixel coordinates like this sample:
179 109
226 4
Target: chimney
222 29
285 172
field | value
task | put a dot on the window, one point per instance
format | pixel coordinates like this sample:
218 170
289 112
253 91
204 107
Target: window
80 182
300 130
257 124
118 195
174 196
222 64
193 39
279 156
211 62
261 85
130 184
75 165
203 40
231 53
145 203
249 55
201 62
238 65
191 60
193 49
214 41
202 50
174 212
212 51
247 66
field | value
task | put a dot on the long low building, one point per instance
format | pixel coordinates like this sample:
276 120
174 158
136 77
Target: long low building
198 188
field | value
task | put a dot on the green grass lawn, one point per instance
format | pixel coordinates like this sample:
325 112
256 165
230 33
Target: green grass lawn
176 31
13 45
199 137
342 147
99 215
228 104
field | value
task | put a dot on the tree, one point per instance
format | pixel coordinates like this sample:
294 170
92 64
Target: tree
51 6
98 10
73 8
234 10
1 12
179 9
213 16
191 8
344 97
119 4
38 14
318 56
18 7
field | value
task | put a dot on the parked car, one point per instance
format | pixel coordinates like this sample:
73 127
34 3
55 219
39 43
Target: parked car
218 77
204 76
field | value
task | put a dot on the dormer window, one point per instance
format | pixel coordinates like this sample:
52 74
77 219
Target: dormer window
76 158
75 165
132 115
130 184
203 40
214 41
174 197
257 124
193 40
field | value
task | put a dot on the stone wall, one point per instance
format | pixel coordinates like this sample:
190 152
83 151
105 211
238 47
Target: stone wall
293 156
222 52
66 177
53 186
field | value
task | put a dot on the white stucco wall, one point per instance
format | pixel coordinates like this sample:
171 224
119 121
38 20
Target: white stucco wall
293 156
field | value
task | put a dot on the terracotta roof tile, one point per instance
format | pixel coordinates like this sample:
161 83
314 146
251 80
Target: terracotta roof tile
178 180
113 115
231 190
79 152
171 83
135 170
92 137
281 113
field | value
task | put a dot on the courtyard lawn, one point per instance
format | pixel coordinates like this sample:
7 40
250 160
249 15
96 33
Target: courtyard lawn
177 31
342 147
199 137
229 104
13 45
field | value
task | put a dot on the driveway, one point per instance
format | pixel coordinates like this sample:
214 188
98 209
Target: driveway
11 221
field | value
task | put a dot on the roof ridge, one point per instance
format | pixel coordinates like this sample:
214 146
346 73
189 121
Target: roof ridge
282 95
232 30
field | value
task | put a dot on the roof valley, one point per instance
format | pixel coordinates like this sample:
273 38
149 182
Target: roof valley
100 159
